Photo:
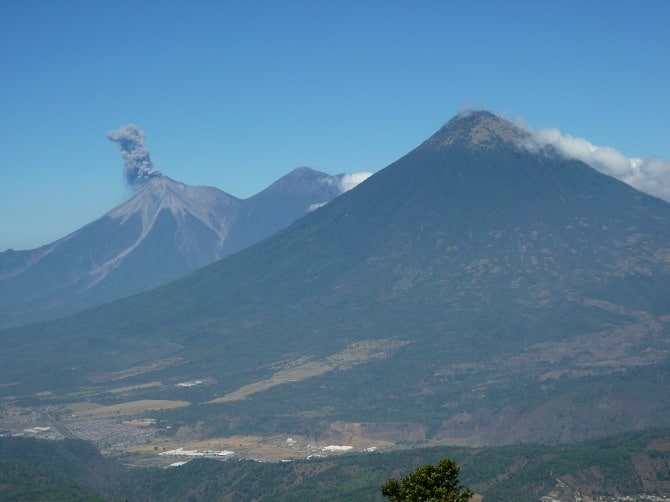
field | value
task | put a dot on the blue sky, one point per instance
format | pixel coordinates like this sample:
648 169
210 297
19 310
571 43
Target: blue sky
237 94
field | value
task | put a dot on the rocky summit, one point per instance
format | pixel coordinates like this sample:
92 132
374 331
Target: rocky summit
475 129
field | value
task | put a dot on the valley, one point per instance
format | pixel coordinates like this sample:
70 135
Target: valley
125 431
629 467
127 415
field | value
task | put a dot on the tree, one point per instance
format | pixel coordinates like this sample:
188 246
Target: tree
428 484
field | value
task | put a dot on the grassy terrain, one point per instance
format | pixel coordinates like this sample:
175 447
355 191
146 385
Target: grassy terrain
132 408
296 371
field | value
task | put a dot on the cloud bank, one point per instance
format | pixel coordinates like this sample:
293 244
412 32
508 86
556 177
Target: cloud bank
349 181
650 175
138 166
344 183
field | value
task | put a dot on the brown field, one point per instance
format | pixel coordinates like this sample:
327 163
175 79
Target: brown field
356 353
121 390
227 443
134 407
268 448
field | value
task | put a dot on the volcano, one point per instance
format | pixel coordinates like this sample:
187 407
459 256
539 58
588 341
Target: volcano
166 230
475 292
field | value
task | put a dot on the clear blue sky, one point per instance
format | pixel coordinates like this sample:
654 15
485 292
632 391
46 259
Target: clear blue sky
236 94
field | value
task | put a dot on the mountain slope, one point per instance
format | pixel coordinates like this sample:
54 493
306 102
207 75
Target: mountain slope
164 231
471 292
302 191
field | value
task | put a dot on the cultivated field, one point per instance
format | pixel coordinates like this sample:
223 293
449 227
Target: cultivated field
132 408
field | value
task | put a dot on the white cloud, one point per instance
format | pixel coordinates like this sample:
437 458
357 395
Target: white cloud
467 108
343 182
349 181
650 175
314 207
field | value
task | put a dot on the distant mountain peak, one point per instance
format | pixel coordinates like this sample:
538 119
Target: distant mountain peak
165 230
476 129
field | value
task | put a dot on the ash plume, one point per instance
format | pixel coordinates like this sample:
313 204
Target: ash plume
138 166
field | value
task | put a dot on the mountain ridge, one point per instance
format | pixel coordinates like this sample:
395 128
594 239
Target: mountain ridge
165 230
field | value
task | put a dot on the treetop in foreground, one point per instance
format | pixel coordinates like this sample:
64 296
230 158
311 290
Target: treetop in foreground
429 483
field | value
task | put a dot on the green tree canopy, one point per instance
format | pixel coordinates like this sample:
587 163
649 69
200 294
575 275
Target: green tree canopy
429 483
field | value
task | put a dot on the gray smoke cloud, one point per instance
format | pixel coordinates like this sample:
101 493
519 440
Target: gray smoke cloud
138 166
